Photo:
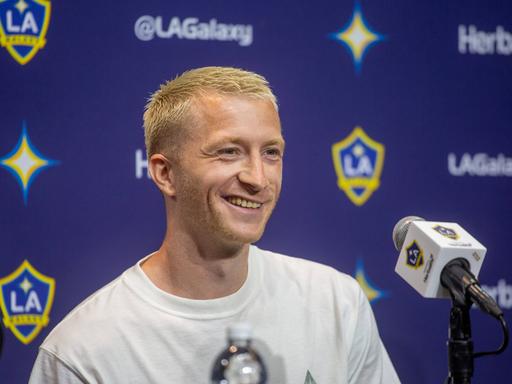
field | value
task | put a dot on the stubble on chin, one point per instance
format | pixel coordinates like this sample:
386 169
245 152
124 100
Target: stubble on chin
204 215
233 235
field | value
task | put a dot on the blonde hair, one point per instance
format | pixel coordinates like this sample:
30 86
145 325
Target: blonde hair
168 108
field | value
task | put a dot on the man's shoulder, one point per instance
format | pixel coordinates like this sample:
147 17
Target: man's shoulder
96 313
308 273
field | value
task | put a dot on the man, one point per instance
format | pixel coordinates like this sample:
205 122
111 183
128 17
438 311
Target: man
215 151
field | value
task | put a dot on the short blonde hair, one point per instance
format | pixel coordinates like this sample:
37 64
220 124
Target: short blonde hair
167 109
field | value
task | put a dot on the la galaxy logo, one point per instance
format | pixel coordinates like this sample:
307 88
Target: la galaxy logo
26 298
25 162
358 161
23 27
446 232
357 37
414 255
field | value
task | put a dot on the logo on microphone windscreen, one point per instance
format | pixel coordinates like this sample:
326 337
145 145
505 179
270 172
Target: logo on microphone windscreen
415 257
446 232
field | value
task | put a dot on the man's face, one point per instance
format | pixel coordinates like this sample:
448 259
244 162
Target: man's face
228 177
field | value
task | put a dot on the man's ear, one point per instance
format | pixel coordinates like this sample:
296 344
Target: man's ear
162 173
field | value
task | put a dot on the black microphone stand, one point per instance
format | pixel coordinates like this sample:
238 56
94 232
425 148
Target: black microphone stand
460 345
462 286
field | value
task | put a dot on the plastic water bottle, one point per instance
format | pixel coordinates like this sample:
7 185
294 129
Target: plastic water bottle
239 363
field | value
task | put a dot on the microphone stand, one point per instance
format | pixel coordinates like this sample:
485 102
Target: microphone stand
461 286
460 345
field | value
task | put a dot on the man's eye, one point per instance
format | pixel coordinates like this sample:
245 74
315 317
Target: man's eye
228 152
273 153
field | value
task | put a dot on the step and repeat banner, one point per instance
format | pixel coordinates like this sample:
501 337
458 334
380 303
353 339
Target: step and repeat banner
389 109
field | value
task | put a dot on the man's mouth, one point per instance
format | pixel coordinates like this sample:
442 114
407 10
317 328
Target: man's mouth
240 202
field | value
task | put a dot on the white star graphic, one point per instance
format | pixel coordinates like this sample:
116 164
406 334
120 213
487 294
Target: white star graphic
26 285
357 37
21 6
25 162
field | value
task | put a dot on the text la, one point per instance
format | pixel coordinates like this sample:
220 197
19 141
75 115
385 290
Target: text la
362 167
28 24
32 302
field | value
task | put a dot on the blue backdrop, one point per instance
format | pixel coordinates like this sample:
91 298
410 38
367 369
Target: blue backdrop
427 82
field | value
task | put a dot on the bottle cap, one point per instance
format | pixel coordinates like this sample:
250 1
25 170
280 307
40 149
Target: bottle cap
240 331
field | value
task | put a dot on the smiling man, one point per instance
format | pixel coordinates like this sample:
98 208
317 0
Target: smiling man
215 150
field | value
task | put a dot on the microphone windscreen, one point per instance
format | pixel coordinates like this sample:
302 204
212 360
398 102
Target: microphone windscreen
401 228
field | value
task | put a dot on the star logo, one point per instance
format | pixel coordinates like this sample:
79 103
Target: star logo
369 288
21 6
25 162
357 37
358 150
25 285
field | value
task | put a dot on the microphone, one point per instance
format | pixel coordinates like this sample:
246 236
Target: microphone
441 260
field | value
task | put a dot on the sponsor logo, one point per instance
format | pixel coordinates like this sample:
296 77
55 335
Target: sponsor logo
26 298
357 37
141 165
501 292
358 161
25 162
414 256
475 42
372 292
480 164
23 27
148 27
428 268
459 244
446 232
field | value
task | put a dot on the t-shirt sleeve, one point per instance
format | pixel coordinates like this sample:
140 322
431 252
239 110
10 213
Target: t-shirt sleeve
49 369
369 362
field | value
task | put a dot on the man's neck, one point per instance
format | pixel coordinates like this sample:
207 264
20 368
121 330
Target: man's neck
191 270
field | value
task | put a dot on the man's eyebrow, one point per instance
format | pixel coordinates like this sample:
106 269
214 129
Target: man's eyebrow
224 140
239 141
279 142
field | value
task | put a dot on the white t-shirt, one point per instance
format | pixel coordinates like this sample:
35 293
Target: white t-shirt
311 324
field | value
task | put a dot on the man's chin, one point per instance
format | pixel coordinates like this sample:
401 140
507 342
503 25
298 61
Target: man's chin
243 237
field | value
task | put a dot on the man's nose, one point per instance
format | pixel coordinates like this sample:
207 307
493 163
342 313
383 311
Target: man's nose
253 174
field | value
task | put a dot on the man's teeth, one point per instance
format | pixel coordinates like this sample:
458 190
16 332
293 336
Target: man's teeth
244 203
